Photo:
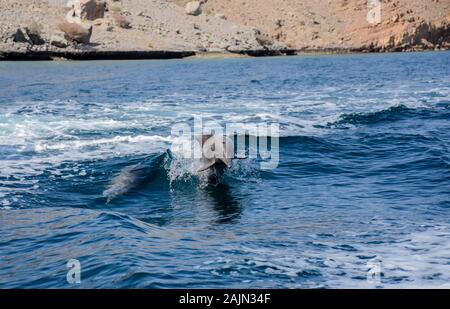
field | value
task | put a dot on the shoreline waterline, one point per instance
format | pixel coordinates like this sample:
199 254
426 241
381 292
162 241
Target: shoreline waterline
89 55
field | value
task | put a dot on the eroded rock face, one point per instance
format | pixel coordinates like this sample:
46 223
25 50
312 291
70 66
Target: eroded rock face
193 8
312 25
423 35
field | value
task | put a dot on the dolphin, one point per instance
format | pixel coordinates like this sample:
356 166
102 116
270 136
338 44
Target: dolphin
135 176
217 156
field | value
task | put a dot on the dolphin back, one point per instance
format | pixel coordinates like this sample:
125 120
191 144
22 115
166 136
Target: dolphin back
135 176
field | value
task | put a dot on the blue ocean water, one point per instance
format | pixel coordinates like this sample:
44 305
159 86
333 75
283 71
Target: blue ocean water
360 198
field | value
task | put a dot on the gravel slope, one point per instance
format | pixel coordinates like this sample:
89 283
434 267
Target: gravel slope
154 25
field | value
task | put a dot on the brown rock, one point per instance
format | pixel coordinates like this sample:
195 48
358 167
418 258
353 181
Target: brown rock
193 8
58 39
90 9
76 32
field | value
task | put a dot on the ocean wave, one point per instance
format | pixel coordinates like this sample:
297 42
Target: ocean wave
391 114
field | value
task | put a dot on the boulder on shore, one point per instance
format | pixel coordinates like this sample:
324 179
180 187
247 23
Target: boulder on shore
20 37
76 32
58 39
87 9
34 33
30 35
193 8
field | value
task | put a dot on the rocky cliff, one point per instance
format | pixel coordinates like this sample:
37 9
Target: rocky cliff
344 24
83 29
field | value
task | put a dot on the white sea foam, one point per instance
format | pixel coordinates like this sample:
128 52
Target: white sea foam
418 260
117 140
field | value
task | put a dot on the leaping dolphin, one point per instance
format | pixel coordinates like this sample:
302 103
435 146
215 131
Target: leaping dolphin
217 156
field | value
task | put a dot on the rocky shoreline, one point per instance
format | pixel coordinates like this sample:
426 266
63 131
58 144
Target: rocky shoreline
170 29
168 54
130 55
93 55
124 29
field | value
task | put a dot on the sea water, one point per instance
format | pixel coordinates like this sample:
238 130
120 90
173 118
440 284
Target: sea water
360 196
